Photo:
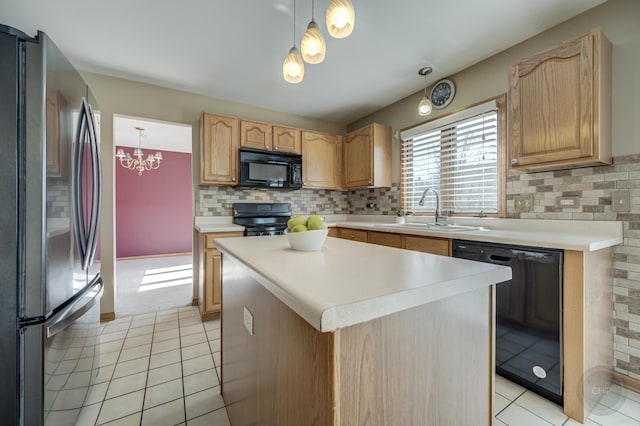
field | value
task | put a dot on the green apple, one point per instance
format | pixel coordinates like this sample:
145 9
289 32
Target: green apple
315 222
296 220
299 228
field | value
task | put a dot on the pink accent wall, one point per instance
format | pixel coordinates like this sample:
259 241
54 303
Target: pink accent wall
153 211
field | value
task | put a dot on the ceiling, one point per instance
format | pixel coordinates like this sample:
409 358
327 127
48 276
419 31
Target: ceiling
157 135
234 49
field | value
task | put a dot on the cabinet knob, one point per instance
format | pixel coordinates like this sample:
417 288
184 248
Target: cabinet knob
277 148
233 179
369 182
514 161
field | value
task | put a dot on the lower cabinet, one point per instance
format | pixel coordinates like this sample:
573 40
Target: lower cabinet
210 282
431 245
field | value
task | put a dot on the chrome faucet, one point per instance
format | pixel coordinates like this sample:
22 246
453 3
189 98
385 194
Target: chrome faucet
440 219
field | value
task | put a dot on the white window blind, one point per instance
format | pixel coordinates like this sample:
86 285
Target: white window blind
456 155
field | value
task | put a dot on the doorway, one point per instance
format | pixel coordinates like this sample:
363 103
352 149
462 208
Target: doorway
153 215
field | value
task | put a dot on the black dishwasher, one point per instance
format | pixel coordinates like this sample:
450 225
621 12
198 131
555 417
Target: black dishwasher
528 314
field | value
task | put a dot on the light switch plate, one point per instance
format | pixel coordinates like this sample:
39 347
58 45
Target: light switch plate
523 203
568 202
620 201
248 320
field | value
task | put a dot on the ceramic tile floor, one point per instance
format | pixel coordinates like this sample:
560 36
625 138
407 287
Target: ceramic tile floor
517 406
160 368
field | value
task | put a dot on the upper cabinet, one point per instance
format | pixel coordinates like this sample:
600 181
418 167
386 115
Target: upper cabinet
560 106
367 157
265 136
219 143
321 160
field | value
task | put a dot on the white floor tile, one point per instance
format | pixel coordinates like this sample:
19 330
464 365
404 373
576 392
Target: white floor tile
131 342
121 406
211 324
514 415
127 384
143 322
160 335
190 320
202 402
164 312
143 316
70 399
116 325
213 334
497 422
193 339
499 403
629 394
114 346
215 345
587 422
217 358
215 418
96 393
64 417
191 329
508 389
109 336
163 393
109 358
542 407
105 374
131 420
136 352
607 417
165 358
133 366
195 351
167 414
89 414
165 345
622 404
164 374
196 365
140 331
200 381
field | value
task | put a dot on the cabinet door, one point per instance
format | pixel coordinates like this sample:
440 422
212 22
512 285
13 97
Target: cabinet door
218 149
358 159
439 246
286 139
256 135
554 108
213 281
385 239
321 159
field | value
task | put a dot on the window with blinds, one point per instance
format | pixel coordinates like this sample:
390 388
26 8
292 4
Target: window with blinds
457 156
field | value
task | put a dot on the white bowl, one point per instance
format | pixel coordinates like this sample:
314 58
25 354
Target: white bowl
308 240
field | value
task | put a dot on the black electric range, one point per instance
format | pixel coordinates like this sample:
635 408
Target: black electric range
262 218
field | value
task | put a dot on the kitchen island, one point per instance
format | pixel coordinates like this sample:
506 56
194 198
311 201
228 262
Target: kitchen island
355 334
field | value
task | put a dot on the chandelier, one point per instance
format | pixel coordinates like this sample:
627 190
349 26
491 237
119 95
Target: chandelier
152 162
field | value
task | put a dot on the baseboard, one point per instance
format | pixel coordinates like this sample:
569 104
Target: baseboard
626 382
152 256
107 316
194 302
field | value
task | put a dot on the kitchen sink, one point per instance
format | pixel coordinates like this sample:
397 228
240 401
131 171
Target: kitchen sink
431 227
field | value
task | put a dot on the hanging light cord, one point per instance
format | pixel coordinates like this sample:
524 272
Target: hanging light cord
312 17
294 22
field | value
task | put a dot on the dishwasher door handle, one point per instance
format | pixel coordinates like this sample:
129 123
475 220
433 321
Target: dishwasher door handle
500 260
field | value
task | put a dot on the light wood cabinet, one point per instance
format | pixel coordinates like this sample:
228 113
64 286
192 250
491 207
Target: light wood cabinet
367 157
385 239
265 136
254 134
58 138
353 234
333 232
560 106
286 139
432 245
210 282
321 160
219 142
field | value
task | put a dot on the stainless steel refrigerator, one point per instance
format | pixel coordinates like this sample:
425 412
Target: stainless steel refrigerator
50 187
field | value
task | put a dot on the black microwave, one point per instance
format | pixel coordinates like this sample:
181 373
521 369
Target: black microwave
267 169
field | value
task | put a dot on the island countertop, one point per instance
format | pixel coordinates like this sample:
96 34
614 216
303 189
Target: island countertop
348 283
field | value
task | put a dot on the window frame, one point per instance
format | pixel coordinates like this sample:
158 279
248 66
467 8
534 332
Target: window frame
501 104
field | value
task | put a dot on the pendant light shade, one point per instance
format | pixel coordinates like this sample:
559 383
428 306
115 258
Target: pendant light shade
341 18
293 67
312 45
424 106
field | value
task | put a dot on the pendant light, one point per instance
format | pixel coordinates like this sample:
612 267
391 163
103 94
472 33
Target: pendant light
293 67
341 18
313 45
424 106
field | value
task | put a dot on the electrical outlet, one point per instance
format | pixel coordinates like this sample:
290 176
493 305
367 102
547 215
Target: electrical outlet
371 205
573 202
523 203
327 206
228 206
248 320
620 201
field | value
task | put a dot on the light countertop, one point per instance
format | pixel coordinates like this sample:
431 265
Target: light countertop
348 283
206 224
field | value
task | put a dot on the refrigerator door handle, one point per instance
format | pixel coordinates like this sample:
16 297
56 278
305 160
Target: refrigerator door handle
69 314
78 199
96 195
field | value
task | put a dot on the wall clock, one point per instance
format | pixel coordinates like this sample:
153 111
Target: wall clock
442 93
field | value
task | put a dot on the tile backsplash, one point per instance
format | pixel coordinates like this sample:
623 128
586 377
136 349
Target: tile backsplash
596 193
